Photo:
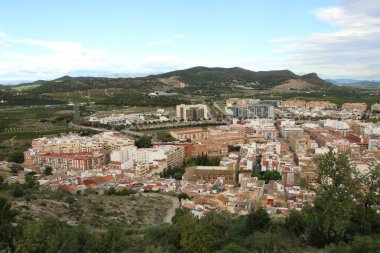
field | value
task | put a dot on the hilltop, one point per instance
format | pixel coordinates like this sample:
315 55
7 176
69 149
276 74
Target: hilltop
228 76
197 76
175 87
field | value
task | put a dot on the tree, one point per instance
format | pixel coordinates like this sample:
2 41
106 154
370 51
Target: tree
30 181
359 244
16 157
7 216
215 226
17 191
272 242
111 191
15 168
164 237
365 219
257 221
208 234
234 248
271 175
333 205
48 171
185 225
114 240
144 142
1 180
48 234
369 196
183 195
165 137
296 223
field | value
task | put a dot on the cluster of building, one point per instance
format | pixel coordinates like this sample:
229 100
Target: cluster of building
184 113
234 188
73 154
128 119
249 148
320 109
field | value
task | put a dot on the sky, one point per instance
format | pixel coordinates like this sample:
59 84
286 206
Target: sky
47 39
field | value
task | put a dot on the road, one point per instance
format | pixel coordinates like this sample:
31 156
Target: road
133 133
180 124
71 124
221 110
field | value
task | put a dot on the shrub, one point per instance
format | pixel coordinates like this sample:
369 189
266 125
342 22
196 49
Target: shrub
17 191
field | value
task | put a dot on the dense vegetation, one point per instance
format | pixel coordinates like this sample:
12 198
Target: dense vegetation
144 142
13 98
343 219
267 175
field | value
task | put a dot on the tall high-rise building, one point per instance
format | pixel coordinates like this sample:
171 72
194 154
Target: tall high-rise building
192 112
253 111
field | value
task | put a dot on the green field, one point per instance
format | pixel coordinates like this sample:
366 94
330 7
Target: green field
26 87
31 135
123 97
19 125
31 132
34 129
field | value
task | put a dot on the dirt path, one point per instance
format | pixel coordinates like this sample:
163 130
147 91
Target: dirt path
171 211
12 140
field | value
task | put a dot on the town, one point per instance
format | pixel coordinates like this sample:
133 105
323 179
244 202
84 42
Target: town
227 126
261 157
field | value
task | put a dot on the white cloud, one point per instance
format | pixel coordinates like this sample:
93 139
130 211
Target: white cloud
352 50
60 57
65 57
170 40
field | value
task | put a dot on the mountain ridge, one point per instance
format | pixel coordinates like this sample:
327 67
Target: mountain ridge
195 76
203 75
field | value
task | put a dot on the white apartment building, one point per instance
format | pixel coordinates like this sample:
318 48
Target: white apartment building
335 124
70 143
173 155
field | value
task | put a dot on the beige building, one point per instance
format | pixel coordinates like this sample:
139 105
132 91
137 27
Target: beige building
324 105
190 134
209 173
293 103
70 143
301 142
73 143
192 112
375 107
66 161
175 156
360 107
239 101
141 170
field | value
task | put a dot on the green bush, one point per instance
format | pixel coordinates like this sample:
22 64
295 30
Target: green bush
17 191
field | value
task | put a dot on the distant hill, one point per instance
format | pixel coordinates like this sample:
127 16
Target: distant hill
67 83
197 77
268 79
354 82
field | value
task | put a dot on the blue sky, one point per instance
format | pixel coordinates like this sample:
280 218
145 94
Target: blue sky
47 39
